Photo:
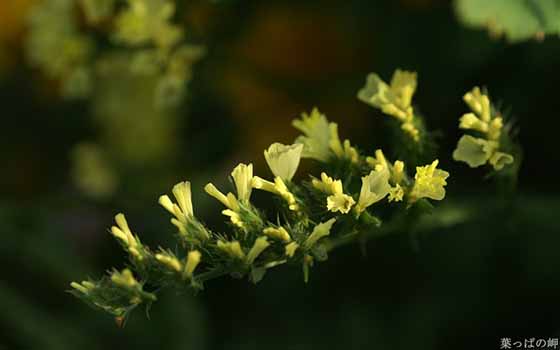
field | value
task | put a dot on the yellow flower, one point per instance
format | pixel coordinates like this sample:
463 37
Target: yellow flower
397 175
429 182
394 99
283 160
230 201
479 151
85 287
259 246
396 194
474 151
316 142
193 259
169 261
125 279
277 232
123 233
233 249
243 177
375 187
321 230
184 209
340 202
290 249
478 103
337 200
500 159
277 187
380 163
234 217
471 121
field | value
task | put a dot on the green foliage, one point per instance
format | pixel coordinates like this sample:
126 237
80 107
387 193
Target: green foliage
517 20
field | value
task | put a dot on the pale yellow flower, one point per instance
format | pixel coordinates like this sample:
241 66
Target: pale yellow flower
233 249
375 186
259 246
337 199
184 209
429 182
290 249
277 187
396 193
230 201
243 177
482 150
283 160
193 259
277 232
169 261
123 233
125 279
394 99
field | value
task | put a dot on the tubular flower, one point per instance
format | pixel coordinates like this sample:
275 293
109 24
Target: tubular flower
278 233
259 246
429 182
290 249
85 287
380 163
337 200
125 279
283 160
477 151
184 209
243 178
170 261
277 187
394 99
193 259
127 239
233 249
375 187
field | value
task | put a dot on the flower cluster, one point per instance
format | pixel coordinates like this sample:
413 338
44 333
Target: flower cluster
394 99
354 193
487 122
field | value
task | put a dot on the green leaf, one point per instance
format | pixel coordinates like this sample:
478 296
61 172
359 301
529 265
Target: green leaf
517 20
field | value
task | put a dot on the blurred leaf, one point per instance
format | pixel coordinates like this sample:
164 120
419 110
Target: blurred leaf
518 20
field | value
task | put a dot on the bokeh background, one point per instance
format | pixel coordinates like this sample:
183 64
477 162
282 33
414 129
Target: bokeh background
461 287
